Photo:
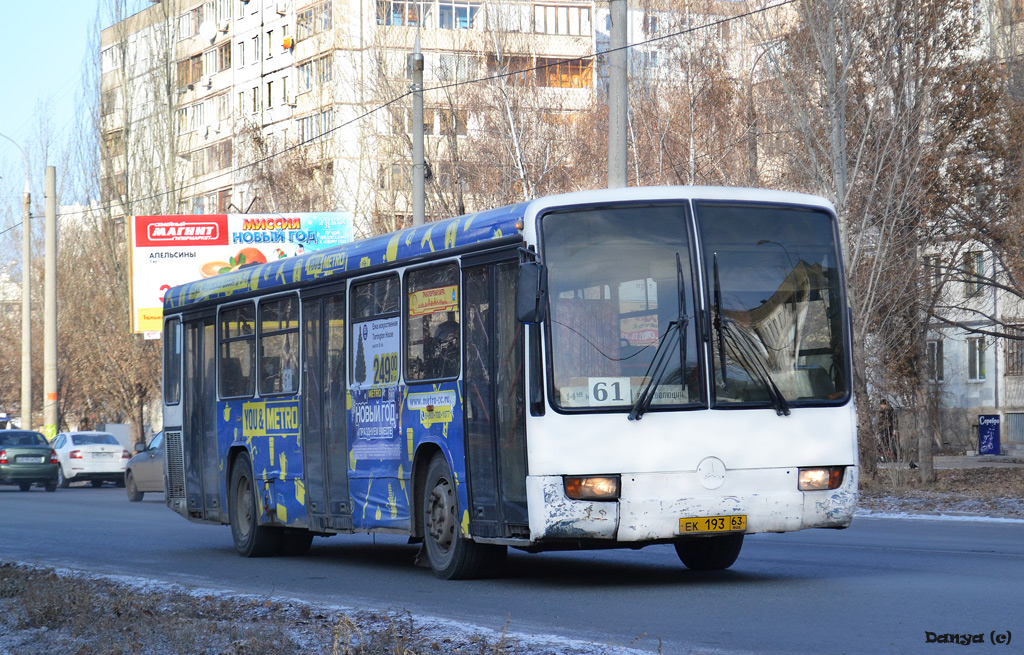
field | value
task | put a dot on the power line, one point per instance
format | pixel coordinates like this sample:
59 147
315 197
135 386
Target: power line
184 188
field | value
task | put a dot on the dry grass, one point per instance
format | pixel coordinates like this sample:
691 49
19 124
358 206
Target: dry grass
988 491
43 612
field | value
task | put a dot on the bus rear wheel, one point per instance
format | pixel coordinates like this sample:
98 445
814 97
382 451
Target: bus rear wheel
251 538
709 553
450 554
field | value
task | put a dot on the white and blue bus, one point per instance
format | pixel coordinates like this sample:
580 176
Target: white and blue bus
611 368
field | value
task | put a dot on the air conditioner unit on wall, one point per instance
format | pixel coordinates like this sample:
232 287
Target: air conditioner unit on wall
206 82
225 25
281 8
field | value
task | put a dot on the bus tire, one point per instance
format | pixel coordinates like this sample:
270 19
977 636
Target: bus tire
709 553
251 539
450 554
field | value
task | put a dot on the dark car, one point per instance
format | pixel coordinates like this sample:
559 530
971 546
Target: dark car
26 458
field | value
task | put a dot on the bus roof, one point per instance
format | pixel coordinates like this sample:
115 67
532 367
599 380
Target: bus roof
409 244
412 244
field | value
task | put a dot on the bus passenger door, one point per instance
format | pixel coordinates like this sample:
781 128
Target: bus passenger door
494 401
202 465
324 424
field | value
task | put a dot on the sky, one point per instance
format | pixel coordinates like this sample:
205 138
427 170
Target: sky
41 63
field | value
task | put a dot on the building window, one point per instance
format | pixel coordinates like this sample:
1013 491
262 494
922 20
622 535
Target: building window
315 125
218 156
454 122
401 12
110 59
453 15
976 358
650 25
565 73
313 20
188 22
114 143
1015 350
224 199
314 72
974 271
190 71
932 273
559 19
224 56
936 367
456 67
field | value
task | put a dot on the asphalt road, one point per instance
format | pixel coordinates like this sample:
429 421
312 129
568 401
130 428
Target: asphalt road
878 587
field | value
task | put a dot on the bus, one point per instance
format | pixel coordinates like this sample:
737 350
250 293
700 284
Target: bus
611 368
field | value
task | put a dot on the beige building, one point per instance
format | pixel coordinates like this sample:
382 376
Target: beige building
222 106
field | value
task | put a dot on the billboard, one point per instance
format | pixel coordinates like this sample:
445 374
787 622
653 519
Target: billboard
172 250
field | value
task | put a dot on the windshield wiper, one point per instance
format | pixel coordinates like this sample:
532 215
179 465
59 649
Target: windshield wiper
655 372
751 360
718 324
745 350
659 363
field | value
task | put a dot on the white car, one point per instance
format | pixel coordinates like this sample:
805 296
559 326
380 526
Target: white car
94 456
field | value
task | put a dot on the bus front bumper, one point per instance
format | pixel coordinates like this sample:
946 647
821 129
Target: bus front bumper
653 506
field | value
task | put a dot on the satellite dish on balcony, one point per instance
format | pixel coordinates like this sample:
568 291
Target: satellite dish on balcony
208 30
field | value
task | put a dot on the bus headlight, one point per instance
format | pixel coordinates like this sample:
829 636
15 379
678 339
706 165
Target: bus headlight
821 479
604 487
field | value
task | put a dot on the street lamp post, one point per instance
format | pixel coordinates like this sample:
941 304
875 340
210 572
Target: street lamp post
26 298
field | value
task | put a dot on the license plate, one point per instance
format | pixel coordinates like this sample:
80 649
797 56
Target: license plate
703 524
31 460
103 454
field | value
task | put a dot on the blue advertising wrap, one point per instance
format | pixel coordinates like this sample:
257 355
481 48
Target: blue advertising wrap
351 257
271 430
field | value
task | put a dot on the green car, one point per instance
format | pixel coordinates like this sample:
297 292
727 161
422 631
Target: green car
26 457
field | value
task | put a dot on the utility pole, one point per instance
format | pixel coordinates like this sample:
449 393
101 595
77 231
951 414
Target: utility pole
618 98
418 193
26 298
50 309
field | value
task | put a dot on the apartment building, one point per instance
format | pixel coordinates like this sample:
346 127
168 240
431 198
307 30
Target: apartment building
208 105
975 352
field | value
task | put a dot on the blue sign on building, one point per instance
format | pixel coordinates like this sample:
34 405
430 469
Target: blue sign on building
988 434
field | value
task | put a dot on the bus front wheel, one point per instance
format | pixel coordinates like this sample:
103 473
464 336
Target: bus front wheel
451 555
709 553
251 538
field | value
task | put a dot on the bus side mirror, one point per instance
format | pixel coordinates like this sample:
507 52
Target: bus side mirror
532 292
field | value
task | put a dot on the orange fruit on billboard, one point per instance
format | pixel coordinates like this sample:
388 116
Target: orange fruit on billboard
209 269
249 256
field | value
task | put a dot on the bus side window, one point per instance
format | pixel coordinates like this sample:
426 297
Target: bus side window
433 323
279 346
237 351
172 361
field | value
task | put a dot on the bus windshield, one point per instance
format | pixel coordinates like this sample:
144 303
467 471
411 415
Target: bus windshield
777 330
621 292
623 326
